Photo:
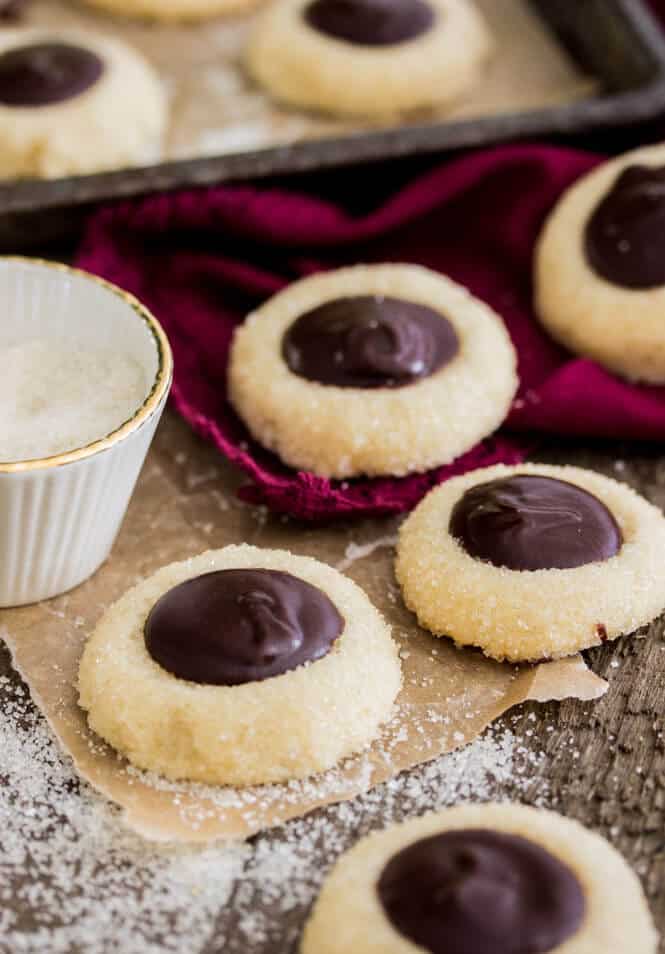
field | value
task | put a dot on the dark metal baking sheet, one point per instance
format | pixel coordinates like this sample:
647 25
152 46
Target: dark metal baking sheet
619 42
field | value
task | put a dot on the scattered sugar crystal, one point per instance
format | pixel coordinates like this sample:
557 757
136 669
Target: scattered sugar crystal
195 480
56 396
356 551
72 878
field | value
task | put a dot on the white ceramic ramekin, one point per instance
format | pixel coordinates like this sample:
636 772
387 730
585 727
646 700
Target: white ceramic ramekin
59 516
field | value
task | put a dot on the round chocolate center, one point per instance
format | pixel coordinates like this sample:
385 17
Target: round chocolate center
481 892
625 236
529 522
370 22
11 9
369 342
46 73
236 626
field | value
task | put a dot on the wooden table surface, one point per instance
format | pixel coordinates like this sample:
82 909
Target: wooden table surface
604 762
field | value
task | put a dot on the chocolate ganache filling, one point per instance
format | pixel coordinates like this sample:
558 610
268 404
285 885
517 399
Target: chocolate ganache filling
528 522
230 627
12 9
369 342
46 73
481 892
625 236
370 22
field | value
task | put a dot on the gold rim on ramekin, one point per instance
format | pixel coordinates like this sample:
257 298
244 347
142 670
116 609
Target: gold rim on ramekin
161 384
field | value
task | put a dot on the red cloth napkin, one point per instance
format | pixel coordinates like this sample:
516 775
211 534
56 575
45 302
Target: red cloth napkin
202 259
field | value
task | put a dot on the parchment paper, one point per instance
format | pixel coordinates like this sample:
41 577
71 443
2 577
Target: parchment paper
216 110
185 503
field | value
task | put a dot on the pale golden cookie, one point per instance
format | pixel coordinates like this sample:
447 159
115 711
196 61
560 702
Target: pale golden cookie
172 11
289 726
117 120
617 325
303 66
523 615
350 914
344 431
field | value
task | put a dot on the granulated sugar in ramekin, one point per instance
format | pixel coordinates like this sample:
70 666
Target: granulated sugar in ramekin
56 396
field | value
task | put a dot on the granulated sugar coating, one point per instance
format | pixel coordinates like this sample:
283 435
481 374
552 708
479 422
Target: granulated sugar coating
57 396
73 879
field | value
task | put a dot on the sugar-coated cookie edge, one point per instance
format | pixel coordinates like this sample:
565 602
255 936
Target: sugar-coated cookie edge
305 68
620 328
119 121
345 432
348 915
291 726
530 616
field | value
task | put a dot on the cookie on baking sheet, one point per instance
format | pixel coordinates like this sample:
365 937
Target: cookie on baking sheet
75 102
532 562
378 369
368 57
240 666
600 268
171 11
482 879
